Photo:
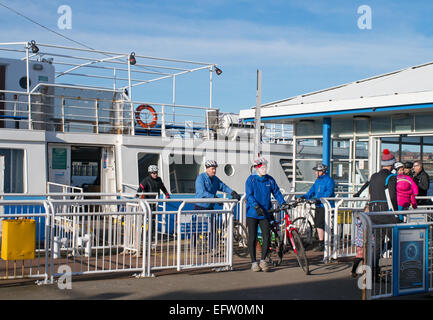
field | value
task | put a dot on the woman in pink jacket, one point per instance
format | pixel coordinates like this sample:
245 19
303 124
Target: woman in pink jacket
406 189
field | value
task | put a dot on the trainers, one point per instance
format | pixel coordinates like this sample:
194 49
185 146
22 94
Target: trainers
264 266
255 267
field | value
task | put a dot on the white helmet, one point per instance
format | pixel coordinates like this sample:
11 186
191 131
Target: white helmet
210 163
152 168
260 161
398 165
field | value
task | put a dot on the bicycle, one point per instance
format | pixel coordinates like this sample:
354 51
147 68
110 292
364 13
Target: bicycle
306 230
240 239
289 239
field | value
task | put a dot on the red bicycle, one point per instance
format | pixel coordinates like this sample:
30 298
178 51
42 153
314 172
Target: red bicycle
284 238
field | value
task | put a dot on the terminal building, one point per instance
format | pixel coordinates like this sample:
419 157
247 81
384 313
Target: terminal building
348 126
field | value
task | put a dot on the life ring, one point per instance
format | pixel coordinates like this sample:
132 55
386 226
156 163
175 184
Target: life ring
151 110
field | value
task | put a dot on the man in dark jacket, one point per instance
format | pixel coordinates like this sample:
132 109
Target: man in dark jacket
152 183
379 181
422 180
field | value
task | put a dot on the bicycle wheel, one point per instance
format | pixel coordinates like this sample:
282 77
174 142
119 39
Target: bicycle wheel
299 250
240 239
305 230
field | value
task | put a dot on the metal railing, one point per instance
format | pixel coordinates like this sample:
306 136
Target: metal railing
185 238
384 273
38 267
93 236
53 187
340 226
98 236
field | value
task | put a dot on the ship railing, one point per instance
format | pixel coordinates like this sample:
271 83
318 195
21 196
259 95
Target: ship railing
53 187
67 108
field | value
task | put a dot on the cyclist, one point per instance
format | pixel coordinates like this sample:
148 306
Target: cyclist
258 189
152 183
207 185
323 187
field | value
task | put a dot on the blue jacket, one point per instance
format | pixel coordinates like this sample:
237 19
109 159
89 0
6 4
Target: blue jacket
323 187
206 187
258 193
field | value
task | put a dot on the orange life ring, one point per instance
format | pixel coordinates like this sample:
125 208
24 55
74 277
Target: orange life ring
152 111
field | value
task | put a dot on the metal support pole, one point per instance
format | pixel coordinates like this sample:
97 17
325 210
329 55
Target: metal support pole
163 132
326 153
178 235
257 114
29 99
96 117
63 113
174 97
130 99
210 86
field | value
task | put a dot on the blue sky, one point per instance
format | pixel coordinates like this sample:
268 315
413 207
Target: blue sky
300 46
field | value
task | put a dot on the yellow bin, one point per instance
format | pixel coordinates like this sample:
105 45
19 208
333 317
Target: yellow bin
18 239
345 217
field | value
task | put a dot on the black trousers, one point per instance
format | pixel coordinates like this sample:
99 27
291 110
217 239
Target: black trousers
381 234
252 237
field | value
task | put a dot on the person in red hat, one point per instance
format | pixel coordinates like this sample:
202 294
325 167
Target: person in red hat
381 183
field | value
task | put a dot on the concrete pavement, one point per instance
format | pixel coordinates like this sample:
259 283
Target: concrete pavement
285 282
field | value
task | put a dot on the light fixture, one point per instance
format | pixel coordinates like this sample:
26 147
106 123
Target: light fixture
306 120
132 60
34 47
361 117
218 71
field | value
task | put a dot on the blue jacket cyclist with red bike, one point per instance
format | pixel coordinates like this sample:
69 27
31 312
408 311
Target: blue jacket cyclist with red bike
258 189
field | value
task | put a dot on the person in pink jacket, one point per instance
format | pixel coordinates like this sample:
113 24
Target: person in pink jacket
406 189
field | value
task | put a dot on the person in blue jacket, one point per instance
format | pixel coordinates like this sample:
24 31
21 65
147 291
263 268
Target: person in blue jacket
258 189
207 185
323 187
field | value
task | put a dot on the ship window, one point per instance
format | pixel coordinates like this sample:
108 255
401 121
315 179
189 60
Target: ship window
184 169
23 82
11 171
229 170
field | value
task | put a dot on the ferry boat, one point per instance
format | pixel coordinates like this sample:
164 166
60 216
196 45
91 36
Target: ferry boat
74 119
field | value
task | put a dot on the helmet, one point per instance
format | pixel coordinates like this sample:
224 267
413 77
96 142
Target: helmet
152 168
398 165
210 163
320 167
260 161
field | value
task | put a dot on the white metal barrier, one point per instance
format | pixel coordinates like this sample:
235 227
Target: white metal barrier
38 267
105 236
186 238
340 226
98 236
382 277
